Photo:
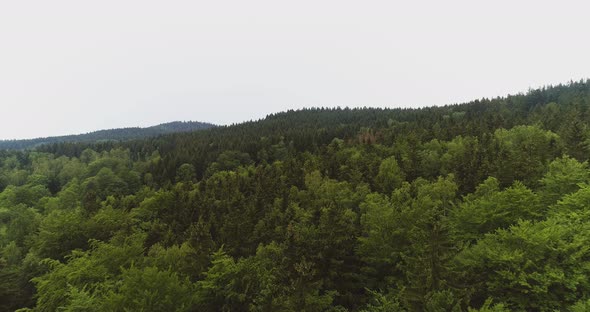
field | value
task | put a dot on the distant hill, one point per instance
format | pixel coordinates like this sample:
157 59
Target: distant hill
121 134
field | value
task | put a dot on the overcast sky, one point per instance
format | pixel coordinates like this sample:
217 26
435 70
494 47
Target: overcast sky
77 66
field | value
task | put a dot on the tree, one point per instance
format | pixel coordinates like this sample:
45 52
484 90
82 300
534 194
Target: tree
523 152
150 289
489 209
565 175
390 176
530 266
405 238
186 173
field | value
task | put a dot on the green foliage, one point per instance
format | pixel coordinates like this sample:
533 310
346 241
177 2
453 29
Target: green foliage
91 274
22 222
149 289
61 232
563 177
255 284
523 153
383 303
580 306
472 207
489 209
183 259
185 173
489 307
406 239
577 202
532 265
390 176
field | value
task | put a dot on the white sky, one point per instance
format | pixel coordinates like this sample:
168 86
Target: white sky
77 66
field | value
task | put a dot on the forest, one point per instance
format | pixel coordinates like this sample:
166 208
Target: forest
120 134
482 206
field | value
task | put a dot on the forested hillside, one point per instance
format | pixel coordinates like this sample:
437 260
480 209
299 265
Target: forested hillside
483 206
121 134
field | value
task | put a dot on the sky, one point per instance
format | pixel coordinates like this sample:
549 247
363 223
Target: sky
76 66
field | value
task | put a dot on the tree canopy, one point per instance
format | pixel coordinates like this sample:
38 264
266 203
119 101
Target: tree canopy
482 206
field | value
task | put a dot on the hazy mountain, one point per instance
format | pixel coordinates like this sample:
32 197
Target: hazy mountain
120 134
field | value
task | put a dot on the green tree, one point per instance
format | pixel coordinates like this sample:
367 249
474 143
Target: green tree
523 153
390 176
405 239
150 289
186 173
563 177
489 209
530 266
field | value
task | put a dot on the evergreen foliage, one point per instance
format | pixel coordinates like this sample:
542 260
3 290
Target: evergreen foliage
482 206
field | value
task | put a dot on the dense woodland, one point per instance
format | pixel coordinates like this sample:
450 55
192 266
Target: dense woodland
121 134
483 206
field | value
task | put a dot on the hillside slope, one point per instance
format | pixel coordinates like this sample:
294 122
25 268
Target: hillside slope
120 134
